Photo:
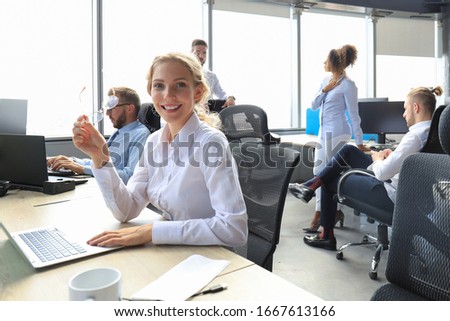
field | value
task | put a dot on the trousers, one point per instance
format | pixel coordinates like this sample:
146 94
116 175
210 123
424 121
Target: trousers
368 189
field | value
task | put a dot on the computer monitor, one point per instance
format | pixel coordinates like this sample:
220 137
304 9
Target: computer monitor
382 117
13 116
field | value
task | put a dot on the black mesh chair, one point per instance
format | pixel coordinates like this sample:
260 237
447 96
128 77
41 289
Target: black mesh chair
418 266
246 123
384 218
265 169
149 117
264 175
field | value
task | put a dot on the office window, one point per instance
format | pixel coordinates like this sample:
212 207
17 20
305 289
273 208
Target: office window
252 59
320 33
405 57
134 32
46 58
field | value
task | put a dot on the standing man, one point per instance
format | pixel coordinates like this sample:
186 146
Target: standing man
200 49
125 145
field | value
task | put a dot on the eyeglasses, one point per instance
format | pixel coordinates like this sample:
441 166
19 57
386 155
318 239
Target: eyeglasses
111 103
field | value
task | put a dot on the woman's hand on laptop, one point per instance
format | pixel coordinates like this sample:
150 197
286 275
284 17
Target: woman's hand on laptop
89 140
129 236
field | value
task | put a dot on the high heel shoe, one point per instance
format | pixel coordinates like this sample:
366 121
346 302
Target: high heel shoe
315 224
339 218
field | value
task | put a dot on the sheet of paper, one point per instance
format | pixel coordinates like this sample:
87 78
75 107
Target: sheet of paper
183 280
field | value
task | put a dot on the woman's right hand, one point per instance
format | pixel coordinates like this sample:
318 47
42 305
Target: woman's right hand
89 140
331 84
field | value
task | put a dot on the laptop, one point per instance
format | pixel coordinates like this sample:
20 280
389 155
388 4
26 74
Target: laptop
13 116
216 105
47 246
23 162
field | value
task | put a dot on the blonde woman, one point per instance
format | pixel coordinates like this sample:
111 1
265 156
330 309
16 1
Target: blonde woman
187 170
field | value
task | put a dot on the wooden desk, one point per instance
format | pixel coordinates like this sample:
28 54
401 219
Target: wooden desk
84 208
253 283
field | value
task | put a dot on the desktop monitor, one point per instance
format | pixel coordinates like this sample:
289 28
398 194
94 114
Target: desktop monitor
13 116
382 117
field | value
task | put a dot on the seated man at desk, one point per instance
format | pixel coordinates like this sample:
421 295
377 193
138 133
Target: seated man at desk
419 106
125 145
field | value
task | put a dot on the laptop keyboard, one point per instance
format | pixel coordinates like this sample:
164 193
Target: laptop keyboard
50 244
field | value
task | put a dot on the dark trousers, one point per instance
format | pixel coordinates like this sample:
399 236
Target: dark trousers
367 189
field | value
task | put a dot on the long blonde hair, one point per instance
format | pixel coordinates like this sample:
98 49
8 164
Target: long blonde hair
192 64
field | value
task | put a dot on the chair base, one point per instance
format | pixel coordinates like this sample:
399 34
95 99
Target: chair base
381 243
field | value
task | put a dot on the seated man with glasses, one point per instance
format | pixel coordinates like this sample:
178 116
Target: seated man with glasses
125 145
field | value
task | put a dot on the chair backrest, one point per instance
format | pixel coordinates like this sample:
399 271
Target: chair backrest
149 117
264 175
433 144
419 255
244 122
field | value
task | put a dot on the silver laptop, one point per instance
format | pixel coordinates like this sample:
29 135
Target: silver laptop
13 116
47 246
23 162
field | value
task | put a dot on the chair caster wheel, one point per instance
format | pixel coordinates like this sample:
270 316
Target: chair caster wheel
339 255
373 275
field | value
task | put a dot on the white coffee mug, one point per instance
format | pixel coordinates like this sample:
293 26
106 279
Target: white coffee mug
100 284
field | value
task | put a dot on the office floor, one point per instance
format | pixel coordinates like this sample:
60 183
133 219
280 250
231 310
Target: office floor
318 270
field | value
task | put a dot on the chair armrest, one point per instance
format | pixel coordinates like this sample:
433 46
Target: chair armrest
355 171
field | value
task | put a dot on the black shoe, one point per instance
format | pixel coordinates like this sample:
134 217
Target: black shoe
301 191
316 241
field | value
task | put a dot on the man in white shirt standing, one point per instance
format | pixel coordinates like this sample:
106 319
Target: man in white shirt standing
199 48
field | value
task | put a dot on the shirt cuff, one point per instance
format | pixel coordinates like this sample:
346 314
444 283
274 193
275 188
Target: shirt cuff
167 232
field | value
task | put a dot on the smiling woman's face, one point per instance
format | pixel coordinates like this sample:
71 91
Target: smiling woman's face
173 92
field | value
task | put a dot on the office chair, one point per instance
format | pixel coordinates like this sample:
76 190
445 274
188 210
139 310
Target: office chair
149 117
382 216
264 175
418 266
246 123
265 169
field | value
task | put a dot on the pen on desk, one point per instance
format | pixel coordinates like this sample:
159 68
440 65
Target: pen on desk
214 289
50 203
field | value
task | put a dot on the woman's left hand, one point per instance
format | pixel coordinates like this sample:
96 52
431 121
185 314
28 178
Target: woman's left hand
129 236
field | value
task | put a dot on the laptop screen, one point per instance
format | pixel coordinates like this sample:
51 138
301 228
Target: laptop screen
216 105
13 116
23 160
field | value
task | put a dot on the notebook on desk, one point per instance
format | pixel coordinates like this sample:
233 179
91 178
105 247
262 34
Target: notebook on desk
23 162
47 246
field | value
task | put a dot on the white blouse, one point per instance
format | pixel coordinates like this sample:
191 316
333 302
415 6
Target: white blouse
334 105
193 180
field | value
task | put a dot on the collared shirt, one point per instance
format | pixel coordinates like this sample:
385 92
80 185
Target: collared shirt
193 180
214 85
125 148
411 143
334 105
